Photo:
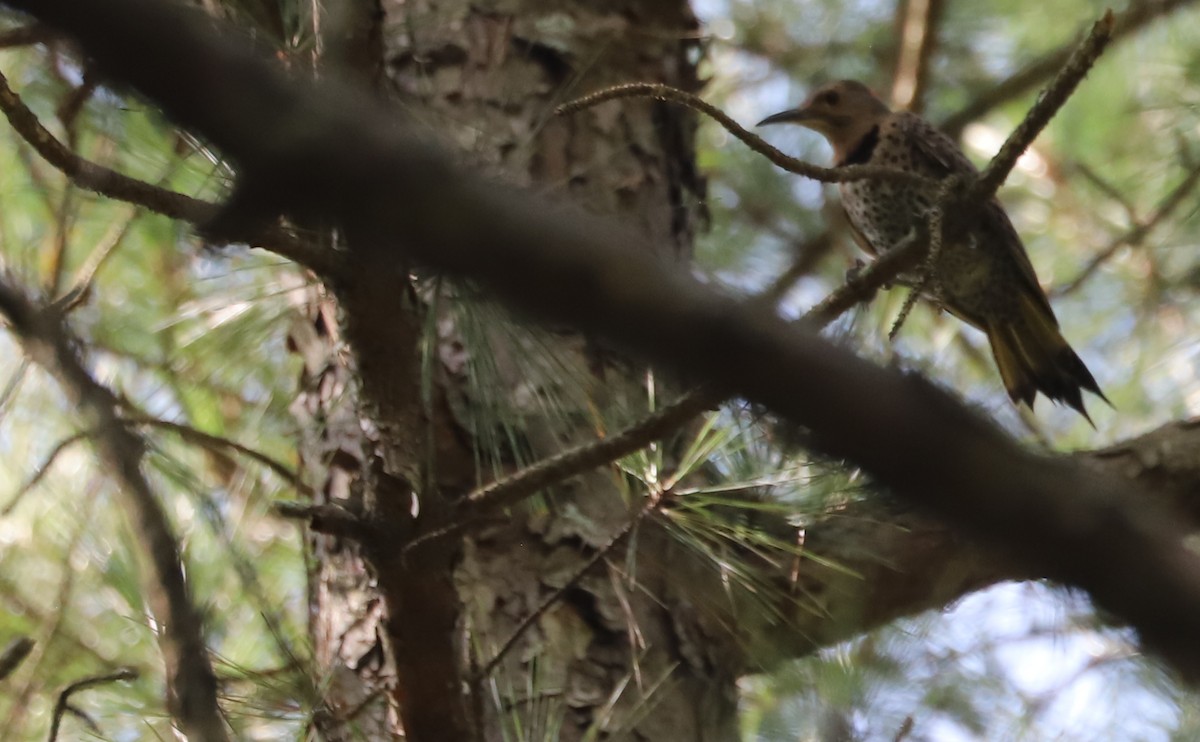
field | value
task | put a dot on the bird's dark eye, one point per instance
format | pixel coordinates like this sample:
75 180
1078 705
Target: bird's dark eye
830 97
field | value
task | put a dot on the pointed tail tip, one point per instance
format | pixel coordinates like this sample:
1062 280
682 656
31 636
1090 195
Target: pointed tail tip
1083 377
1095 389
1081 408
1075 380
1031 364
1074 401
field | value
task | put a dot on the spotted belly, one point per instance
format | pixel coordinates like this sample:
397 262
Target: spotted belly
971 275
884 213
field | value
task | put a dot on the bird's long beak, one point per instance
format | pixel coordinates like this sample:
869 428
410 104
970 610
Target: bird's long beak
791 116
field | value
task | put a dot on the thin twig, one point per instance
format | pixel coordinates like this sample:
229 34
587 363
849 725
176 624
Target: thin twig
85 276
9 392
915 292
64 698
1047 104
653 502
929 273
107 182
753 141
1136 235
221 445
192 696
14 654
1108 189
332 520
460 526
538 476
40 473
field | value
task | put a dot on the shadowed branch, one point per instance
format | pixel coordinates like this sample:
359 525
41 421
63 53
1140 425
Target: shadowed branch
107 182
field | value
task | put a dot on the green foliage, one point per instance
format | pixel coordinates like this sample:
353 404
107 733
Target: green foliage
185 332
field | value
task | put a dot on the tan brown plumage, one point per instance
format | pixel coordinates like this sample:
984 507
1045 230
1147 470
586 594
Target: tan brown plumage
983 274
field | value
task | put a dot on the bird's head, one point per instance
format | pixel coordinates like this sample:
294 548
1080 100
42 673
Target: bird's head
843 112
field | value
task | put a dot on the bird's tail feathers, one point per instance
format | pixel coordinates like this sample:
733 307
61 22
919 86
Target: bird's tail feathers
1033 357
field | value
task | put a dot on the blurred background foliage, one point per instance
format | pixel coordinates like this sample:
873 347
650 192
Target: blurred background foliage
195 339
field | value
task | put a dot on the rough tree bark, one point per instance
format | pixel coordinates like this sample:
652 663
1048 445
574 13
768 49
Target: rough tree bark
490 76
486 80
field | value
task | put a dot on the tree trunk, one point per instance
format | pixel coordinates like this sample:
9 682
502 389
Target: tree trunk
613 654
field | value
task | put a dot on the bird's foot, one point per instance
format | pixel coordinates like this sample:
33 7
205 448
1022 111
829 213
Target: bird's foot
854 274
854 271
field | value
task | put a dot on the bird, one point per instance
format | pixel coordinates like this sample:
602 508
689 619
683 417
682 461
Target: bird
982 273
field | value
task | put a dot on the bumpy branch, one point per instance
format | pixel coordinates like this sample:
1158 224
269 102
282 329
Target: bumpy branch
753 141
1048 103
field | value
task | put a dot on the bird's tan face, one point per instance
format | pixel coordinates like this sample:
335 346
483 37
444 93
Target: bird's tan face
843 112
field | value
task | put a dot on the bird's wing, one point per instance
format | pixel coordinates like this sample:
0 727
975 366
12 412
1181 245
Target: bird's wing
934 153
859 238
939 157
996 221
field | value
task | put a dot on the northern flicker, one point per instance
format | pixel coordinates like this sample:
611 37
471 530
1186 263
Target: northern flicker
982 275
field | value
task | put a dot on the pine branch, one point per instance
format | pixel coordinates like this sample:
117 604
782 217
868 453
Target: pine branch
192 697
507 492
108 182
40 473
223 445
63 704
753 141
1136 234
1048 103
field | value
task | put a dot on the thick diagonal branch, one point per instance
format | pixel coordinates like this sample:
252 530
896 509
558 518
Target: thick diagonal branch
510 490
